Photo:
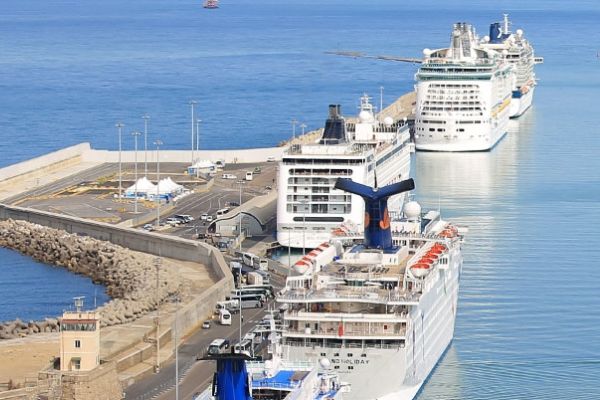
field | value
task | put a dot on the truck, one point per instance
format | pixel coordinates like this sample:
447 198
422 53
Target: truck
254 278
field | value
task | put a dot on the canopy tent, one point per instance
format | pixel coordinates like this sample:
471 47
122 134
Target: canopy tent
168 187
143 187
201 166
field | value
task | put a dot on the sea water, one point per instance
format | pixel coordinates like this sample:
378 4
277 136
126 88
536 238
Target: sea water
529 311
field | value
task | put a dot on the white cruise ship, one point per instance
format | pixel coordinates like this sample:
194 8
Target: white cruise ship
517 51
366 150
381 311
463 95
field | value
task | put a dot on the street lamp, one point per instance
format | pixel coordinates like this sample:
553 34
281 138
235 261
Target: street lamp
135 137
157 262
146 118
240 183
198 134
119 127
193 104
380 102
158 143
294 122
304 205
303 125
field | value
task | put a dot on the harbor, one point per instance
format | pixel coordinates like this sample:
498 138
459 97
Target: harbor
131 218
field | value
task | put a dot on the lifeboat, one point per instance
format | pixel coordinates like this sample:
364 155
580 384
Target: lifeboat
436 252
419 270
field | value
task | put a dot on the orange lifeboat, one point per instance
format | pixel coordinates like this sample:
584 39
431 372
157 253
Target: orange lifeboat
419 269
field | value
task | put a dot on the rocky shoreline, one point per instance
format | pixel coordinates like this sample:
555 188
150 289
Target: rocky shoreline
129 277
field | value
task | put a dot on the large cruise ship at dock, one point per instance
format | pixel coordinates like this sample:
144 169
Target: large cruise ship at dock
381 306
517 51
463 95
367 150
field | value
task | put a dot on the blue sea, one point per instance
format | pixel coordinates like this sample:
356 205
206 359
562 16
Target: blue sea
529 315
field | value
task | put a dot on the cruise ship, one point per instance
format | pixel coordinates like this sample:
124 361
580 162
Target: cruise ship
365 149
517 51
463 95
382 309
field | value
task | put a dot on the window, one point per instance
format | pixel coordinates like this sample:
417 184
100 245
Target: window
350 367
336 354
350 355
78 344
75 363
336 367
323 354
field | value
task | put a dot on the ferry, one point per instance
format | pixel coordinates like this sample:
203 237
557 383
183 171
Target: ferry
379 305
517 51
366 149
463 95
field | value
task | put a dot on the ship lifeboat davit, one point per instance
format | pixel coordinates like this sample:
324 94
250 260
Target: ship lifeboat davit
419 270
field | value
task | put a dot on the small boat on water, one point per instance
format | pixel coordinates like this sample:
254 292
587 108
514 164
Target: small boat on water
211 4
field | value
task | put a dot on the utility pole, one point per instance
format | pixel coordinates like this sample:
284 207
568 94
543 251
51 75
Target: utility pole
157 262
146 118
135 137
119 128
294 122
380 102
303 125
158 143
193 104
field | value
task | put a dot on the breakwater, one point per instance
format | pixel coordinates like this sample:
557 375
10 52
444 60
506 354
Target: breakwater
130 277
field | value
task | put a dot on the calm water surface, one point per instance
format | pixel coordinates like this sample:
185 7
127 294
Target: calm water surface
529 318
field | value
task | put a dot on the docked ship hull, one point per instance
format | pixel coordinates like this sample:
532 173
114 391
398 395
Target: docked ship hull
400 372
521 103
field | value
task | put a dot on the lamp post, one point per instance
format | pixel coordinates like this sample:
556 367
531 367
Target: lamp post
119 128
157 262
380 102
294 122
198 134
193 104
146 118
303 126
304 205
135 138
158 143
240 183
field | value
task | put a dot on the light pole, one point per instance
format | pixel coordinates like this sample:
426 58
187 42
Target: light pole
176 341
380 102
198 134
303 126
304 205
241 216
135 138
158 143
157 262
119 128
294 122
146 118
193 104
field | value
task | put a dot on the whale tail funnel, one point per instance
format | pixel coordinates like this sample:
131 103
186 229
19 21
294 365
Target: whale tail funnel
378 234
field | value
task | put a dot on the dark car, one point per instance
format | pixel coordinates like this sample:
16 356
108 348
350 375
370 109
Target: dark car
234 204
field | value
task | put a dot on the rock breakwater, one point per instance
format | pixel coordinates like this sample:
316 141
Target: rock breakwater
130 277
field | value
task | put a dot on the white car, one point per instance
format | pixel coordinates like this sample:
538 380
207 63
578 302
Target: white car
271 159
228 176
204 217
209 218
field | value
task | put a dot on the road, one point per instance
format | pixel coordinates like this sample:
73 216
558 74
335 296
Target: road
195 376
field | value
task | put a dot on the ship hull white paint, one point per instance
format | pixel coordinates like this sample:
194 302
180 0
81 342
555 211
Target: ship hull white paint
462 145
400 372
518 106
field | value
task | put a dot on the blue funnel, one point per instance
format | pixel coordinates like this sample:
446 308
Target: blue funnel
230 381
378 234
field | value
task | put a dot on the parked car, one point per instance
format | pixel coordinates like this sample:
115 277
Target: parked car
204 216
148 227
234 204
206 324
271 159
173 221
209 218
257 170
228 176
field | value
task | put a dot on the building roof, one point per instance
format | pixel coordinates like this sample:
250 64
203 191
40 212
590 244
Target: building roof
262 208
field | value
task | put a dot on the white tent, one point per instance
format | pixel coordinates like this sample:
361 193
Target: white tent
167 186
143 186
202 166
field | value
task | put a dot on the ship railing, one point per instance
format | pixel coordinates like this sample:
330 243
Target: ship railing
400 345
340 315
385 296
349 333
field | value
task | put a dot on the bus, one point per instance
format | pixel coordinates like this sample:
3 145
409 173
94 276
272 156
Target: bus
255 262
217 346
245 346
224 316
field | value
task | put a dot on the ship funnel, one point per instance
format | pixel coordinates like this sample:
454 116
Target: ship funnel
335 126
378 234
230 381
496 35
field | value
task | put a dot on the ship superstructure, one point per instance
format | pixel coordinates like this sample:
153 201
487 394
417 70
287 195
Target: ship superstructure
365 149
382 310
463 95
517 51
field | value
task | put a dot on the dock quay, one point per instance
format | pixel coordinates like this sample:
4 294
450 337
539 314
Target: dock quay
73 190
